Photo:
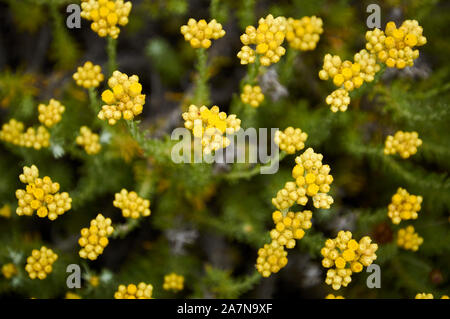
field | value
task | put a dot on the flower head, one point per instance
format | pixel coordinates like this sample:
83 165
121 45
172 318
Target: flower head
408 239
12 132
290 226
89 75
9 270
252 95
89 140
344 256
331 296
173 282
131 204
267 38
303 34
95 238
106 16
5 211
125 99
141 291
210 125
271 258
199 34
338 100
71 295
403 143
41 195
404 206
39 264
290 140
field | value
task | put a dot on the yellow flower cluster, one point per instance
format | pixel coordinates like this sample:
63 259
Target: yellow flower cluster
95 238
9 270
331 296
173 282
141 291
94 281
395 46
424 295
408 239
106 16
289 227
5 211
41 195
124 100
268 39
71 295
89 75
404 206
271 258
346 255
199 34
51 114
312 179
338 100
303 34
290 140
131 204
89 140
252 95
392 47
39 264
403 143
12 132
210 125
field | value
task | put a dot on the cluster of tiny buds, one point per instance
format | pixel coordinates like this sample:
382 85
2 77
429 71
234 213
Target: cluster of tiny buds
39 264
173 282
131 204
199 34
338 100
141 291
268 39
9 270
408 239
72 295
346 255
123 100
289 227
403 143
41 195
106 15
271 258
312 179
404 206
425 295
94 239
5 211
209 125
12 132
51 114
290 140
88 75
88 140
394 46
303 34
252 95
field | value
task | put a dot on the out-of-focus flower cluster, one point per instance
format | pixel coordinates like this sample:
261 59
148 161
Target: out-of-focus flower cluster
252 95
41 195
125 99
173 282
51 114
39 264
271 258
88 140
403 143
344 256
408 239
303 34
89 75
13 132
106 16
210 125
290 140
141 291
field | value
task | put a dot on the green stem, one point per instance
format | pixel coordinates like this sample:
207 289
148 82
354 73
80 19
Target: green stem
287 68
201 93
255 170
112 55
124 229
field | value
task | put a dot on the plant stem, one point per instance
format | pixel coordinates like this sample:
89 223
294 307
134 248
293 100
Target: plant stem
112 55
201 93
